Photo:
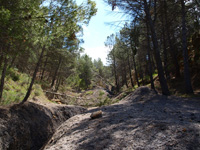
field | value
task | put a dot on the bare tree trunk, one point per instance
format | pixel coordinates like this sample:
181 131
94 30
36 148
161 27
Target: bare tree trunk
124 74
58 84
141 74
165 49
135 68
185 51
44 67
3 76
129 66
149 59
163 82
1 56
56 72
171 47
33 78
115 73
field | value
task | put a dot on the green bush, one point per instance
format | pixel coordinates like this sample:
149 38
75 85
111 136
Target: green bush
16 86
13 74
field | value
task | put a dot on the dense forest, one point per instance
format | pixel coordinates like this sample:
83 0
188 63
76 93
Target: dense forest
40 47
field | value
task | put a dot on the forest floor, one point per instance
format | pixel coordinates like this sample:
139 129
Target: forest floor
142 120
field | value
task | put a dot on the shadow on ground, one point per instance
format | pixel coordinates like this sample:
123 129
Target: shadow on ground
143 121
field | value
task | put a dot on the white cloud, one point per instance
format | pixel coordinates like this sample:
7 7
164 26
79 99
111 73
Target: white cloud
97 52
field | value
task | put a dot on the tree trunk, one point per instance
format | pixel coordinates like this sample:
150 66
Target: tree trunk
58 84
56 72
135 68
163 82
171 47
33 78
129 66
185 51
1 57
124 74
141 74
149 59
115 73
165 49
44 67
12 62
3 76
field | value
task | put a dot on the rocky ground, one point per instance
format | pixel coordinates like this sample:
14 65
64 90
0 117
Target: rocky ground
29 126
143 120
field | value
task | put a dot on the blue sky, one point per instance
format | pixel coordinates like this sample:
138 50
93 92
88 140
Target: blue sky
98 29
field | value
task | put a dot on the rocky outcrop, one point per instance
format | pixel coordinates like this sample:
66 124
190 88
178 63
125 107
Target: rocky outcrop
143 120
29 126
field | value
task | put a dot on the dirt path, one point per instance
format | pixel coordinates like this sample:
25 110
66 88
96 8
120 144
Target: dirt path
143 120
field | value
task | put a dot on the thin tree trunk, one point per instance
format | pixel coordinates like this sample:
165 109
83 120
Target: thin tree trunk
58 84
141 74
3 76
171 47
44 67
135 68
1 57
185 51
163 82
129 66
33 78
12 62
115 72
124 73
56 72
149 59
165 49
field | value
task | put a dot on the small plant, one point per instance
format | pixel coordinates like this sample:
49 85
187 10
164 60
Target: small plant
89 93
101 93
106 101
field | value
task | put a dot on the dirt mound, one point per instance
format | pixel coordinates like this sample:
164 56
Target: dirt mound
143 120
30 125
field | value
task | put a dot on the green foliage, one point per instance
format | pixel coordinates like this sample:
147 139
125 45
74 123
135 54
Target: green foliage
101 93
13 74
4 15
85 66
104 102
89 93
14 91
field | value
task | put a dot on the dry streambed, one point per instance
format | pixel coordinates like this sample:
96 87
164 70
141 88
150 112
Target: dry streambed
143 120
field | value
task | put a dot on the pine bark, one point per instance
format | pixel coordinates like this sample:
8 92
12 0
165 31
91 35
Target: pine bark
115 74
130 74
44 67
163 82
149 59
56 72
173 52
3 76
188 84
28 93
135 68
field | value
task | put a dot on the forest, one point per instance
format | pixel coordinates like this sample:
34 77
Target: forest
41 44
40 47
55 96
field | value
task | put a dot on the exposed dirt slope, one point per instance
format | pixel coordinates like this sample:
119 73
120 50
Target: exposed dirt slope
143 120
29 126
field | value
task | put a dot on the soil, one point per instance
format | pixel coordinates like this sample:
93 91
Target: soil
29 126
143 120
